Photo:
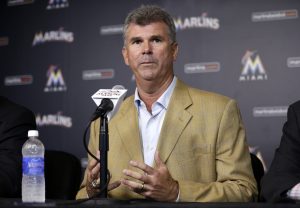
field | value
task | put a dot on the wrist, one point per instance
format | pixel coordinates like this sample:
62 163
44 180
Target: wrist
176 192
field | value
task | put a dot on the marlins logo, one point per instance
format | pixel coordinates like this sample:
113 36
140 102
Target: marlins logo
55 81
203 21
54 120
253 68
53 36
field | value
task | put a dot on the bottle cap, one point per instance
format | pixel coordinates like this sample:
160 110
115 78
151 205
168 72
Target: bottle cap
33 133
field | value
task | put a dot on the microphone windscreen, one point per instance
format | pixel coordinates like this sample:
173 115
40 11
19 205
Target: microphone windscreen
118 87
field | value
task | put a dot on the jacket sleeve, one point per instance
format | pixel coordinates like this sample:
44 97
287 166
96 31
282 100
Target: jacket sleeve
285 168
234 181
14 127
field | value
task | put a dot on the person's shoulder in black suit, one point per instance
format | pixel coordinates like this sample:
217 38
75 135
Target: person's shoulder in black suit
296 107
284 172
15 121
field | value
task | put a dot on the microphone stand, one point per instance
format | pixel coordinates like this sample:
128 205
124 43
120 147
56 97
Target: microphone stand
103 148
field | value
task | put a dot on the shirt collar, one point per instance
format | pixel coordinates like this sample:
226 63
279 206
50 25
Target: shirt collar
163 100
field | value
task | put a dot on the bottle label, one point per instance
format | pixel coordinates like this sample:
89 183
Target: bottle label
33 166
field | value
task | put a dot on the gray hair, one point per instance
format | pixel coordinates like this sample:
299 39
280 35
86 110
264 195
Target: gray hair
147 14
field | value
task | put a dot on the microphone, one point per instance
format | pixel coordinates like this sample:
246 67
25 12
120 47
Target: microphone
108 102
116 95
105 106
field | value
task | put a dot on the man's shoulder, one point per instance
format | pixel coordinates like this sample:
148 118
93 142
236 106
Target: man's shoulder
207 96
296 105
12 109
294 109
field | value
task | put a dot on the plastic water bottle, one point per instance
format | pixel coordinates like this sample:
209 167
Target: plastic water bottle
33 180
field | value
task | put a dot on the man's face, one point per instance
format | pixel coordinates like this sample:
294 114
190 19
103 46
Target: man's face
149 52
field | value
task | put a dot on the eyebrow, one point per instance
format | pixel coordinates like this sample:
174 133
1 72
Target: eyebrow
134 39
157 37
151 38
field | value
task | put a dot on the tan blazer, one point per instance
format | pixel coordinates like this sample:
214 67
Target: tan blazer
202 142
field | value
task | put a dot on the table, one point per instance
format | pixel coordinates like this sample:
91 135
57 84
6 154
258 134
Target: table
105 203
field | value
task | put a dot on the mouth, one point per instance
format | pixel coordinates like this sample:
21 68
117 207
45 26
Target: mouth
148 62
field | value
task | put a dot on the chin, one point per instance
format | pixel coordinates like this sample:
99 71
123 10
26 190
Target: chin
149 75
148 78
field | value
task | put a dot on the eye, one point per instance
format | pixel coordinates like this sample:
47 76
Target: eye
156 40
136 42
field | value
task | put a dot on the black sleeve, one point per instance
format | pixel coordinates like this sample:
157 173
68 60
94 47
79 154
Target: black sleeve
284 172
14 125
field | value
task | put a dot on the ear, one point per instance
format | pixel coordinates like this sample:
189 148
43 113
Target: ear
175 50
125 55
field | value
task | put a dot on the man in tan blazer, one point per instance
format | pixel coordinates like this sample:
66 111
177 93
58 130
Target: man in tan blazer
170 142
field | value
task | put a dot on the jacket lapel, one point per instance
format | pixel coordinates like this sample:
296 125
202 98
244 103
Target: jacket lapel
128 129
176 119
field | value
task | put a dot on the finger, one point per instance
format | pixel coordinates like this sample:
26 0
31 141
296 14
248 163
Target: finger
142 166
90 177
92 163
91 191
157 158
113 185
95 172
133 186
134 174
93 168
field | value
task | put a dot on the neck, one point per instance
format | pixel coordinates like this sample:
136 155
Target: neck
149 92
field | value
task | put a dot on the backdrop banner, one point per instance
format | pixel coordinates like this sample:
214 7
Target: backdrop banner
56 54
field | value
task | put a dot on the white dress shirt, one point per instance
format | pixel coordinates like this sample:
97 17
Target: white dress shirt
150 123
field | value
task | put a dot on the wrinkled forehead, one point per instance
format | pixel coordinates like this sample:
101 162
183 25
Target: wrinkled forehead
153 28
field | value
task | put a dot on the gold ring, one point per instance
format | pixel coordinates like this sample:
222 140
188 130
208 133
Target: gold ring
143 184
94 184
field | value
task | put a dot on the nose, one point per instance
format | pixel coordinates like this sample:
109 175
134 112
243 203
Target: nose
147 49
